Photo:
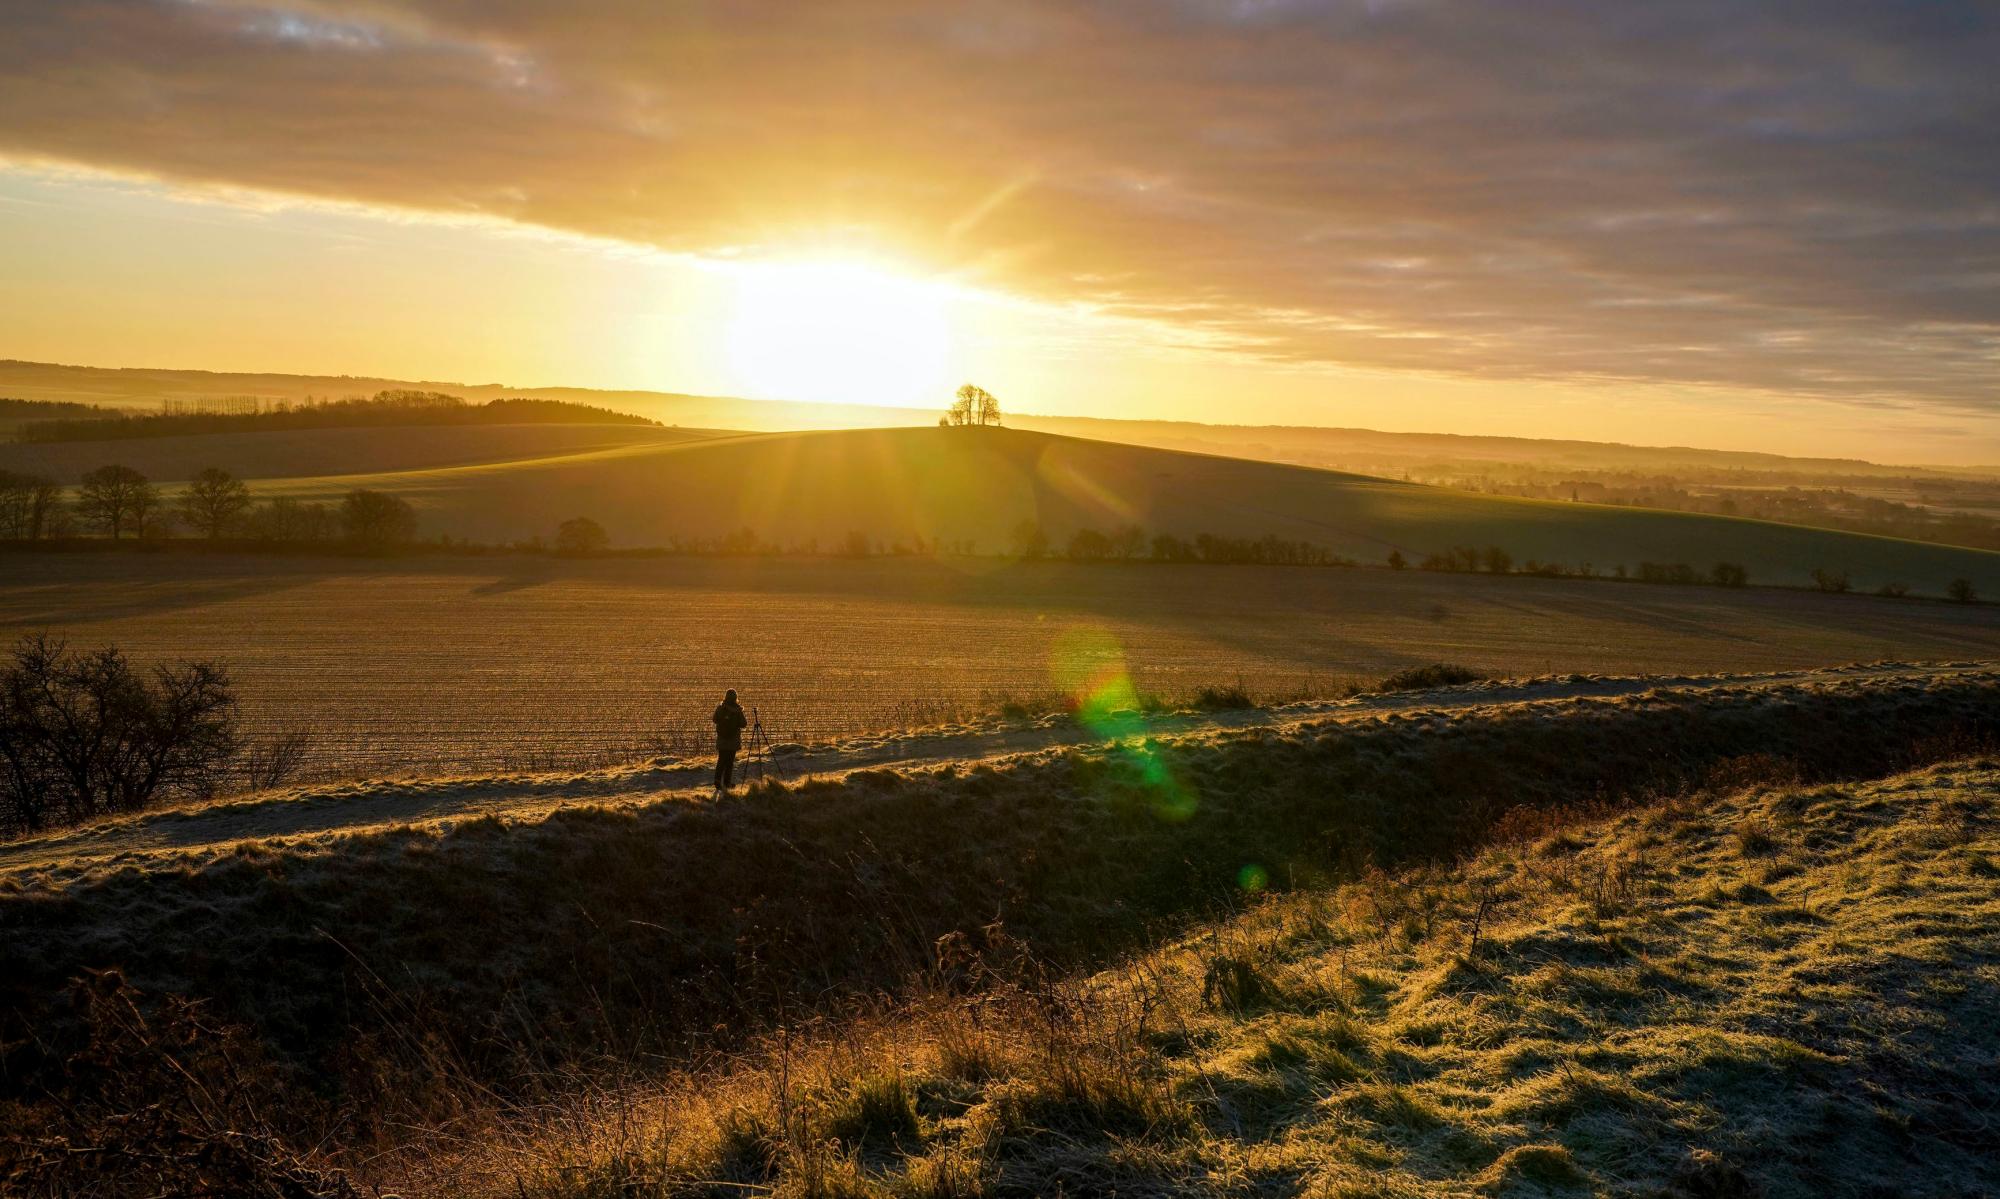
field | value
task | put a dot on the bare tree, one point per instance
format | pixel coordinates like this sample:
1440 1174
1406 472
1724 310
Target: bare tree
972 405
376 521
116 498
286 519
26 503
963 402
214 501
83 734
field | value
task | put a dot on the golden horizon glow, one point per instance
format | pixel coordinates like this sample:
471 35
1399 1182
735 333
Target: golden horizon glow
837 330
1389 215
117 271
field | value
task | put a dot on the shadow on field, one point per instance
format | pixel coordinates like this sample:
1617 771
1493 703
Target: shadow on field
134 595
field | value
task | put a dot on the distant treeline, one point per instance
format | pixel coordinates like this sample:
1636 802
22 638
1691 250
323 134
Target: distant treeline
383 408
1492 559
1941 519
13 410
115 502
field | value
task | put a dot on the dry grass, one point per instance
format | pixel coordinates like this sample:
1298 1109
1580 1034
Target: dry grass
1702 1034
433 977
443 666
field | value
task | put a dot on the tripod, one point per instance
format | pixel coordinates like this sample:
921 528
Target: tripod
757 762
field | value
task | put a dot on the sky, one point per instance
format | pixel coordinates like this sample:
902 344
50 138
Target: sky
1729 223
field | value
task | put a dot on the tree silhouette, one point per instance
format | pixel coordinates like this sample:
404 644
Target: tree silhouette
1088 545
213 501
972 405
1029 541
375 521
115 498
960 412
27 505
580 535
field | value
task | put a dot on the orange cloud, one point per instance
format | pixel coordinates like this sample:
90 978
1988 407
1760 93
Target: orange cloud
1791 196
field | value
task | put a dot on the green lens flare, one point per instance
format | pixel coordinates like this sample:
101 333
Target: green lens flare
1088 665
1253 878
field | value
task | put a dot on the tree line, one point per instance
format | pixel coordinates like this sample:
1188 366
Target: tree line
117 502
385 408
1492 559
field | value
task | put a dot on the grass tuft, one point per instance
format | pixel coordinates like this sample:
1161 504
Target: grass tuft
1436 674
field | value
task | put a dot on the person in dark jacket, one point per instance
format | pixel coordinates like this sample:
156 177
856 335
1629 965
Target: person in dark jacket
729 724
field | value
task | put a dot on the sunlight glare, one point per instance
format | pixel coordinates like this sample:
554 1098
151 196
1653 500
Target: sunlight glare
839 332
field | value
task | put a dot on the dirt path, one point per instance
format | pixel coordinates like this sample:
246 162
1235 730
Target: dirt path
324 811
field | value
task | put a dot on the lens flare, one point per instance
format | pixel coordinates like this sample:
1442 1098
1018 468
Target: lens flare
1088 666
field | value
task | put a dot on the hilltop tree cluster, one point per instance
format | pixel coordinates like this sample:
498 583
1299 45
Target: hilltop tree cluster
970 406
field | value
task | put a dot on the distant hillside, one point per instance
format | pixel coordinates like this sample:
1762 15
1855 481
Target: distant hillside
397 408
1393 453
1352 449
284 454
15 413
977 486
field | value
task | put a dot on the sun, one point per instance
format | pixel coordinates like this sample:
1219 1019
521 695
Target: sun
838 332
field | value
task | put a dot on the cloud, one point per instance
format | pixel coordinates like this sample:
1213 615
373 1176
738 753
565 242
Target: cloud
1795 196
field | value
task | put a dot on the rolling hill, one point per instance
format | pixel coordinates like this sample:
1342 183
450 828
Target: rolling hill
649 487
1371 450
310 452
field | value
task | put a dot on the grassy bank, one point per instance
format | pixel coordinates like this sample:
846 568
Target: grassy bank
1786 991
648 934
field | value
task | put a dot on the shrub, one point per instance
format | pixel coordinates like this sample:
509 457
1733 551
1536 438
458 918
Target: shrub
1961 591
162 1102
376 521
287 519
1893 590
1729 574
277 759
1397 561
1088 545
1223 699
580 535
1437 674
1830 582
1678 573
84 734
